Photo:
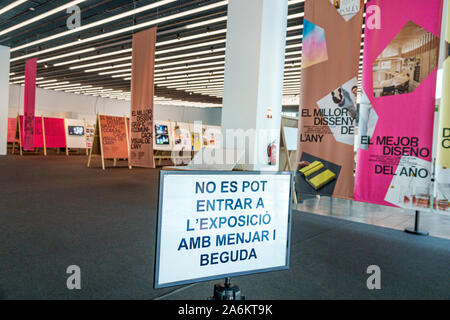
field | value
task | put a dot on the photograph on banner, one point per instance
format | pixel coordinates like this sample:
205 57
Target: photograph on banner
408 59
347 8
367 123
316 176
337 110
221 224
411 185
314 44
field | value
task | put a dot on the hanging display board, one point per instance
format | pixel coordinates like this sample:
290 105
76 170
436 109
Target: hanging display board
327 114
442 185
142 92
181 135
90 134
38 136
76 133
197 140
394 159
12 127
110 139
221 224
212 137
55 135
163 136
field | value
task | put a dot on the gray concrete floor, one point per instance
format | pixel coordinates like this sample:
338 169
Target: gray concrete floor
438 225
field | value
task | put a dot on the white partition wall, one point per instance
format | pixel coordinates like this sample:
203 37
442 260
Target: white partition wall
254 67
4 97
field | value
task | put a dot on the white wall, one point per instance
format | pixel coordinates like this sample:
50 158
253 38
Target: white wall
4 81
61 104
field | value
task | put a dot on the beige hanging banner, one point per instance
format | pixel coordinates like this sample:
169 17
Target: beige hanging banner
142 91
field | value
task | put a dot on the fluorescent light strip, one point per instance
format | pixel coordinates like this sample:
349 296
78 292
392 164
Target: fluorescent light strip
190 66
182 14
109 67
63 86
190 61
186 77
113 72
52 84
158 52
12 6
201 79
199 53
203 23
100 63
77 88
121 75
93 57
46 81
42 16
95 24
124 30
130 50
67 55
207 84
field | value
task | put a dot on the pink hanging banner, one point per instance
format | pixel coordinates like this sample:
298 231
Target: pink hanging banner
29 104
38 133
401 50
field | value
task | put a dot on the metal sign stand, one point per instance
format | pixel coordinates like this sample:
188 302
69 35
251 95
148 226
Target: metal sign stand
416 229
226 291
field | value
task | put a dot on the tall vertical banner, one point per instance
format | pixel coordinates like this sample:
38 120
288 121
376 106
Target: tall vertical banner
142 91
401 53
330 59
29 104
442 201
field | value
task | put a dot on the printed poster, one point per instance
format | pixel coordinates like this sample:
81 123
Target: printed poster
394 160
328 105
114 137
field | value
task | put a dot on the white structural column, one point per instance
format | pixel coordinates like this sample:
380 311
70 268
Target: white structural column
4 97
254 71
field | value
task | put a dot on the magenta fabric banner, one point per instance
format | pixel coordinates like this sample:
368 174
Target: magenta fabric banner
29 104
55 134
395 133
38 135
